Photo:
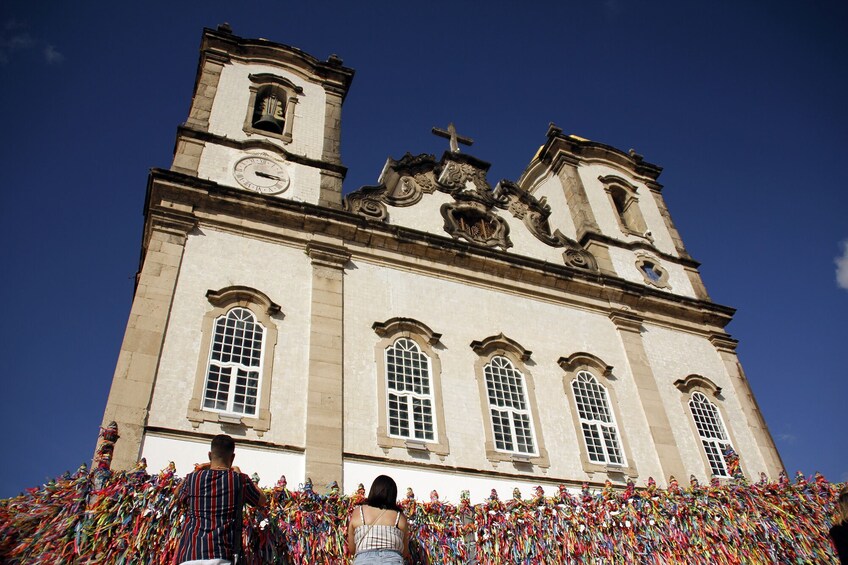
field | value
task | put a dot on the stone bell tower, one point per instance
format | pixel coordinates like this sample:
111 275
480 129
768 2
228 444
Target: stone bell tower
221 262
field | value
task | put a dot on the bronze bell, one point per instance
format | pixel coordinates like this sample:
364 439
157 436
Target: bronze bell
267 122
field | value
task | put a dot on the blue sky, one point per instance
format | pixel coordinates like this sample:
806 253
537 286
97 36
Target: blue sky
742 104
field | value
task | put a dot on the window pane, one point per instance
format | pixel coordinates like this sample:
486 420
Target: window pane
236 348
508 405
599 429
410 396
710 428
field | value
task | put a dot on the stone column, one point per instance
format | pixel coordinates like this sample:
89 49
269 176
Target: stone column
331 180
138 360
207 86
629 328
726 348
581 212
325 394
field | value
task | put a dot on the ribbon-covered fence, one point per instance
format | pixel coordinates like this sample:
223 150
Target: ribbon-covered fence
101 516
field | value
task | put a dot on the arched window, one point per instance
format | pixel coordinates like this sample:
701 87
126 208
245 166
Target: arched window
410 414
410 391
511 422
236 360
712 432
235 364
597 420
624 201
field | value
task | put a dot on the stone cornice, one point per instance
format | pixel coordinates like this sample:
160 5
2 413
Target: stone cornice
331 74
276 219
723 342
562 149
638 245
626 320
327 255
190 132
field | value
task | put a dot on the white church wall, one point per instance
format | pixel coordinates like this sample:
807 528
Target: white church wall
605 214
448 484
230 108
560 219
215 260
526 244
674 355
424 216
269 464
624 263
217 162
463 313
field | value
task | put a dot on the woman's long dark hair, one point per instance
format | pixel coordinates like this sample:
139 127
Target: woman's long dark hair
383 493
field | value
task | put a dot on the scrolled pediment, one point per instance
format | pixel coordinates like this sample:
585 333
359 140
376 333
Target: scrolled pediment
500 342
398 325
698 382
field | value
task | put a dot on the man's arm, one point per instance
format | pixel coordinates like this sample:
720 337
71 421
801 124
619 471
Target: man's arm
252 494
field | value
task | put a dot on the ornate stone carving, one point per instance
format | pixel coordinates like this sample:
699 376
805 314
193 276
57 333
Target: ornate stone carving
577 257
368 202
476 225
473 214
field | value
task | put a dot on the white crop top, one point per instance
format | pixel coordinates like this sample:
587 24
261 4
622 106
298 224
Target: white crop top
378 536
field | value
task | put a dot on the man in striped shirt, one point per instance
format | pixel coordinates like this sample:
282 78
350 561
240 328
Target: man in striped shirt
212 494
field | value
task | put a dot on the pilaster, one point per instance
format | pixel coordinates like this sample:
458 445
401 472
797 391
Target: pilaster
330 194
581 212
325 391
669 224
629 328
138 360
207 87
726 348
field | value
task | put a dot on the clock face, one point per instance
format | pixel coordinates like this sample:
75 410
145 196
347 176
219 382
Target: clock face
261 175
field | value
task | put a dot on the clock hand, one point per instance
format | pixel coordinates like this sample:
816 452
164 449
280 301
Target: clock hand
267 176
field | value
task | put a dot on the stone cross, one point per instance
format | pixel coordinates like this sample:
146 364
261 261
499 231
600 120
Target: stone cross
455 139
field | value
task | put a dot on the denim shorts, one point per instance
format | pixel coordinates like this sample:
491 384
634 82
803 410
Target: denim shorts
378 557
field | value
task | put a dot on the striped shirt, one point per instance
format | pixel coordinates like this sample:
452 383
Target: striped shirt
210 496
370 537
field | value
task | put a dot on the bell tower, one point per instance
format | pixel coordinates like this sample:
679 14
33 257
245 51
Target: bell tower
265 117
217 285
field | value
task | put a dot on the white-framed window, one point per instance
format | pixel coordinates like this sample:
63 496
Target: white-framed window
410 413
712 432
597 420
512 423
235 364
409 392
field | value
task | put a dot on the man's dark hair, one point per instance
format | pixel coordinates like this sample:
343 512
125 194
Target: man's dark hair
222 447
383 493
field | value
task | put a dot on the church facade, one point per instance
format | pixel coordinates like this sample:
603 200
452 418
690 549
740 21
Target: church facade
452 333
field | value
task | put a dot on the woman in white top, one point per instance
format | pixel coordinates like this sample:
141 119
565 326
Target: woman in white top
378 532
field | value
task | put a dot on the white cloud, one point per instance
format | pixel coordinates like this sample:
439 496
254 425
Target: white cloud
52 56
842 267
13 38
787 438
